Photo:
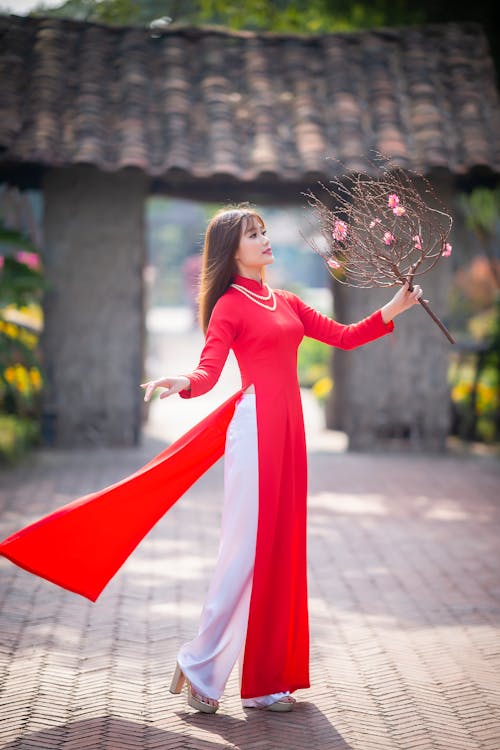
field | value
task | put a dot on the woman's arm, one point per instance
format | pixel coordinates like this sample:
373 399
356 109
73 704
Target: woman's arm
379 323
218 341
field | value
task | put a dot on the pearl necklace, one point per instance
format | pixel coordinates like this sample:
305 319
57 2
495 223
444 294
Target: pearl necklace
254 297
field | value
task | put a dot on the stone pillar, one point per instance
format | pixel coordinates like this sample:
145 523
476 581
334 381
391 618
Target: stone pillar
394 391
94 318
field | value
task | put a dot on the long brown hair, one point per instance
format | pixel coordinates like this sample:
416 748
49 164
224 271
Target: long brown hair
218 269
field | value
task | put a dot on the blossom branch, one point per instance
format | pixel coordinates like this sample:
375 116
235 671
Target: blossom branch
380 231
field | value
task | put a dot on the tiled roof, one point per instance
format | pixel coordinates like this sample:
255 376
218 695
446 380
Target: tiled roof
206 102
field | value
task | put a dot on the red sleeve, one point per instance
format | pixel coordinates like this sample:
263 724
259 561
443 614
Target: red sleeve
218 341
323 328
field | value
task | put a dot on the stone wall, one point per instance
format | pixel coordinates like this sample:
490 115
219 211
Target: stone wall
94 317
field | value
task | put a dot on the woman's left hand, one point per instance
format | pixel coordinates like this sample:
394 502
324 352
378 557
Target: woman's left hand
402 300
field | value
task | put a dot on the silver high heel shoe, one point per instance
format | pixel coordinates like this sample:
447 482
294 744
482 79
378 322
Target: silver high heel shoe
194 699
286 703
283 704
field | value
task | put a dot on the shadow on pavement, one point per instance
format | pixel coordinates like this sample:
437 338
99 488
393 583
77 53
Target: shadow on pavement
305 727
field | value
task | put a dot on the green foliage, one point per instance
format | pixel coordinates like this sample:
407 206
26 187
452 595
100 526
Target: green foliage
493 352
17 436
475 388
482 210
10 238
303 16
313 362
21 284
285 16
476 396
475 399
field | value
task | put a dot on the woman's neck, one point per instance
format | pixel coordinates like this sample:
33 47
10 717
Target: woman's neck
253 275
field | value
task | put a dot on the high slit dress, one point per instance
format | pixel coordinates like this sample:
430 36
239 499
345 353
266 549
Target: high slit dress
265 342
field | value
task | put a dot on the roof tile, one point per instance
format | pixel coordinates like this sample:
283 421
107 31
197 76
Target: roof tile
206 102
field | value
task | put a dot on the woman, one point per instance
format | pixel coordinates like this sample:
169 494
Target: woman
256 606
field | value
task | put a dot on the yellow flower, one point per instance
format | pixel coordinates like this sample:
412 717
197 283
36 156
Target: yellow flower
461 391
10 374
487 398
11 330
35 378
322 387
22 381
28 339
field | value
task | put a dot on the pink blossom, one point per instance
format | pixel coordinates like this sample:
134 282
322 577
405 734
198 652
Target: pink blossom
29 259
1 261
418 242
388 238
333 263
447 248
339 232
399 210
393 200
374 222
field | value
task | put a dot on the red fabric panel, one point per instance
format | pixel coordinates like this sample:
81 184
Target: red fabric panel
81 545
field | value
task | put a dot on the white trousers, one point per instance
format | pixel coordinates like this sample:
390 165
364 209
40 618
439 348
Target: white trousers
207 660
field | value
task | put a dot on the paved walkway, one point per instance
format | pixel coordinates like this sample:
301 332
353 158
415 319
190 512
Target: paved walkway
404 610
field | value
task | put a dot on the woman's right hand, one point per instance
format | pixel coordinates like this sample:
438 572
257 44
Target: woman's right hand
171 385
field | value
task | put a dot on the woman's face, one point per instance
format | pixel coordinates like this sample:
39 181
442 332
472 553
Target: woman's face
254 250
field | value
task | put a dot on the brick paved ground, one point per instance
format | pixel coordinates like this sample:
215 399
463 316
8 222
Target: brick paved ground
404 608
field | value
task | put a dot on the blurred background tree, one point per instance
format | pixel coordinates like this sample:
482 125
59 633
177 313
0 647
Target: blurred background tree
297 16
482 215
475 371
